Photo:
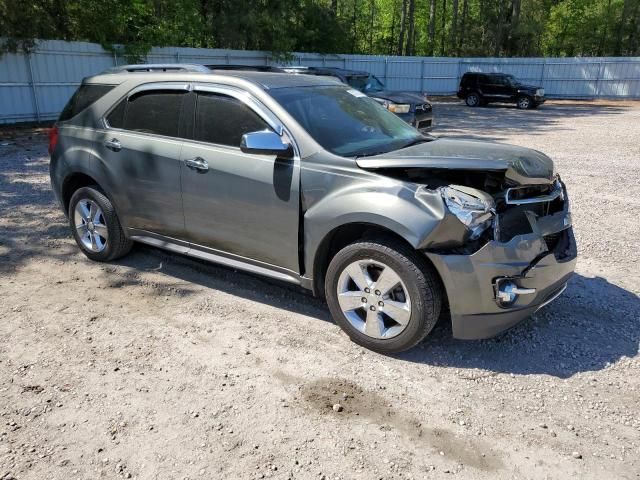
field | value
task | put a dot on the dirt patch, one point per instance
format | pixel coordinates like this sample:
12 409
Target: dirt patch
358 404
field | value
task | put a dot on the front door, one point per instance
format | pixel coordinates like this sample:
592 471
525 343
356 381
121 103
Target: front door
241 204
499 87
140 153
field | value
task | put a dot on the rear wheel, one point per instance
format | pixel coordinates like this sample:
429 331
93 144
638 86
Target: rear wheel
524 102
95 226
383 294
472 99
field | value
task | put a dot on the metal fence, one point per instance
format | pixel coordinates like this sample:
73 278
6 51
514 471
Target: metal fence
35 87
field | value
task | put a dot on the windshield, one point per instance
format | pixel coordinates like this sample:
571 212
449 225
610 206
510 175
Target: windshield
345 121
365 83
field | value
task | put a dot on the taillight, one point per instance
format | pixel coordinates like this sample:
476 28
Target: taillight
53 139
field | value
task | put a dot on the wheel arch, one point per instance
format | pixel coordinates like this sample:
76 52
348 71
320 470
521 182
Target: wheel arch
343 235
71 183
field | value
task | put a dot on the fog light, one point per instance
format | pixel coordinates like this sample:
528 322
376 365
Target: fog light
507 292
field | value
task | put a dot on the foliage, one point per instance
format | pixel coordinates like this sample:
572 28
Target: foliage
456 28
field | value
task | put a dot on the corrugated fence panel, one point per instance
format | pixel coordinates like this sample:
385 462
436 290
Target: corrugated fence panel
37 86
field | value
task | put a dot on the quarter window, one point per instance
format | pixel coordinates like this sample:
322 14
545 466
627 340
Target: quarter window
116 118
223 120
85 96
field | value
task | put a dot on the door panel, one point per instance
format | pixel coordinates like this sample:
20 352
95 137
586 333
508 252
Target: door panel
242 204
145 177
141 155
497 87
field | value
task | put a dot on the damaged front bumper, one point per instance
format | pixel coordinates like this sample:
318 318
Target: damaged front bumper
537 264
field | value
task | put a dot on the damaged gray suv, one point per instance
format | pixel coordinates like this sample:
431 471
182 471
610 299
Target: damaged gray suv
305 180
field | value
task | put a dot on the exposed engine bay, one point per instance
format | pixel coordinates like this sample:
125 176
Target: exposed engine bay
491 206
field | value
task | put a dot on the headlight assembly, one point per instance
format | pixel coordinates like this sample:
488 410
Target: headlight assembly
474 208
398 107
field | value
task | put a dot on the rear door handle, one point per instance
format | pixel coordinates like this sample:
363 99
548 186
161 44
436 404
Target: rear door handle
113 144
198 164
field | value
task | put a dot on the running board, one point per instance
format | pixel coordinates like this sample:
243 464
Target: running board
226 259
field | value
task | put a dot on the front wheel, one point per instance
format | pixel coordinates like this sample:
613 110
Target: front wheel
473 99
524 102
95 226
383 294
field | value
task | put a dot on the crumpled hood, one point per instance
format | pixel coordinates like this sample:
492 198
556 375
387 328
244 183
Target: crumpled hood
523 166
399 97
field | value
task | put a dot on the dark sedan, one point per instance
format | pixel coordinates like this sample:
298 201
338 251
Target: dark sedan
414 108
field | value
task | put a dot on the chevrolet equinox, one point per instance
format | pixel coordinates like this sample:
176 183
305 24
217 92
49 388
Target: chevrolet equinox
309 181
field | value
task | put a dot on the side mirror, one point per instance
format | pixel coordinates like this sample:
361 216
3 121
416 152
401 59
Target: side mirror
266 143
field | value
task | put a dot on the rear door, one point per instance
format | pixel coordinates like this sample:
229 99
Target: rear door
237 203
140 154
486 85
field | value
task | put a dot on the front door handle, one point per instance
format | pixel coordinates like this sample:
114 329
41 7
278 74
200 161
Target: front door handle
113 144
198 164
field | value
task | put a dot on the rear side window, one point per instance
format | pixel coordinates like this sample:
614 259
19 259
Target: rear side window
156 111
223 120
86 95
468 79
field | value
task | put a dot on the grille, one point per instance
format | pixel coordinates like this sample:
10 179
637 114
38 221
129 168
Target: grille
424 124
552 241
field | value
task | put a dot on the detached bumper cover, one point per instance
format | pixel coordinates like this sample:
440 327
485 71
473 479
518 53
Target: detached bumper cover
469 281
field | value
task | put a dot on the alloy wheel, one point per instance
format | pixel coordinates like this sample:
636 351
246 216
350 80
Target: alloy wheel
524 103
90 224
374 299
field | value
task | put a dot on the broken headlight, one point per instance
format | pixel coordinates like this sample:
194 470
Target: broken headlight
474 208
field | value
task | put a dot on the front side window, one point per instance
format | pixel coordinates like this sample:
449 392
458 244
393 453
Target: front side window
223 120
345 121
502 80
154 111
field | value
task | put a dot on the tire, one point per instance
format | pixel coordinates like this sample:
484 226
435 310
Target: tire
95 226
523 102
473 99
390 321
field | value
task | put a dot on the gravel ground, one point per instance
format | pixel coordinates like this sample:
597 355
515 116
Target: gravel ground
162 367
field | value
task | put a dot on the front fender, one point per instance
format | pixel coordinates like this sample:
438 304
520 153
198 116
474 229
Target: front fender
393 207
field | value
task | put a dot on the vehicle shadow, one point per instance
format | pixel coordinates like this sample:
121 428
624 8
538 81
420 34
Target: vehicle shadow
591 326
499 121
220 278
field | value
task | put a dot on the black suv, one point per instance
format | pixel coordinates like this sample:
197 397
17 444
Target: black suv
482 88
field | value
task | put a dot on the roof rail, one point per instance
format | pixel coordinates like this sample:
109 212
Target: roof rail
159 67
